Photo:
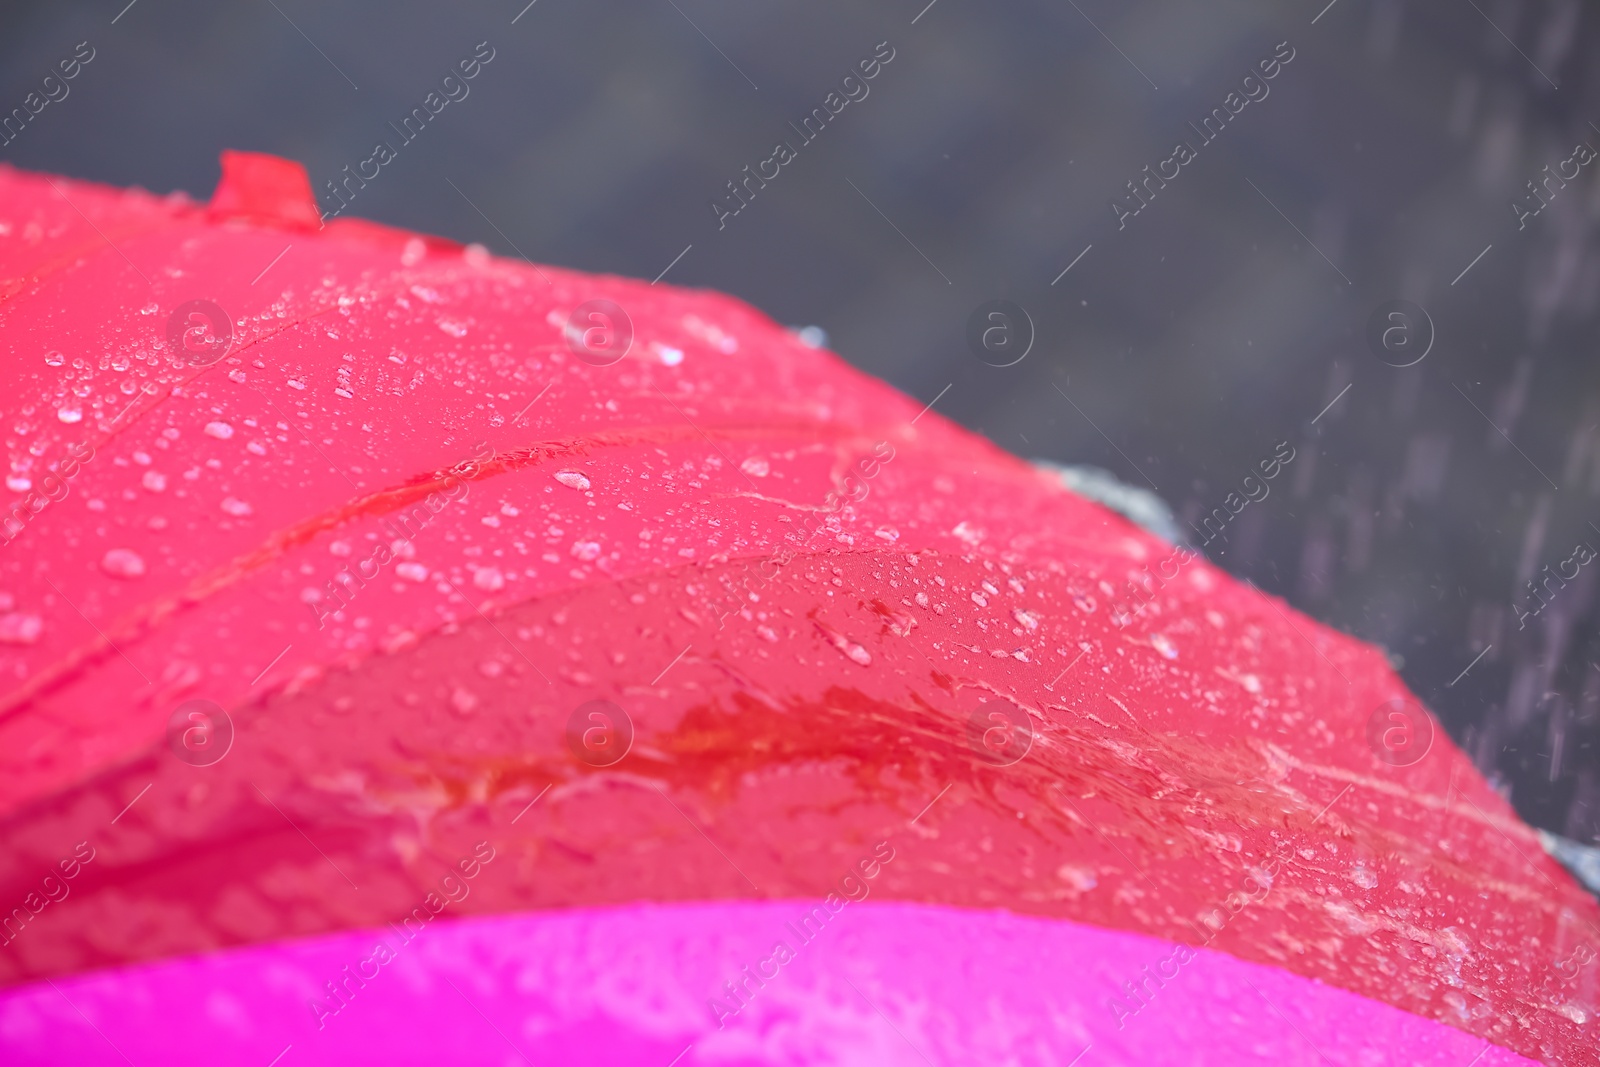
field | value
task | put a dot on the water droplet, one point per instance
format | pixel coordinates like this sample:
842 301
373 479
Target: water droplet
453 328
586 550
572 479
54 359
123 563
851 650
888 533
412 572
489 579
154 481
235 506
18 628
464 701
1362 877
1080 879
1162 644
756 467
1026 619
220 430
19 483
69 413
812 336
901 624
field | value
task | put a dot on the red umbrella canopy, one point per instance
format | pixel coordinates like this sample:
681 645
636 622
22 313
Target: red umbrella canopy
336 550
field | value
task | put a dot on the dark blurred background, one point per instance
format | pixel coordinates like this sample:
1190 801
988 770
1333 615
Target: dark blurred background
1176 352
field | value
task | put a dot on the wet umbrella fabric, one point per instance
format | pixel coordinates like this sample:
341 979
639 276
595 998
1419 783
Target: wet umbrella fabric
408 650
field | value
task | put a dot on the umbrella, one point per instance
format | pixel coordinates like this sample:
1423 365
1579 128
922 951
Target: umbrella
410 653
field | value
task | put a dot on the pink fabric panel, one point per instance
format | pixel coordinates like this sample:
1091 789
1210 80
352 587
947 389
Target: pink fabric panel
887 984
